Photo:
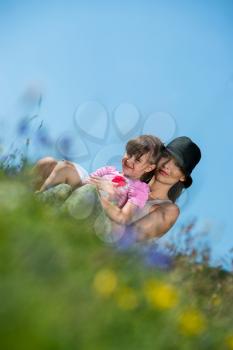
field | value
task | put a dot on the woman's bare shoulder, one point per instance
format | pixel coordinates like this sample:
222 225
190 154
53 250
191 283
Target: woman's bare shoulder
170 210
157 222
173 208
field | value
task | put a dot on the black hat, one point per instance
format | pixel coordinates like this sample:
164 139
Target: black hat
187 154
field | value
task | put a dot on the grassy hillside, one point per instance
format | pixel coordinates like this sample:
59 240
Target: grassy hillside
61 287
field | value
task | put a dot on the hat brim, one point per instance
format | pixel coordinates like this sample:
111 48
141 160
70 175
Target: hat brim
188 179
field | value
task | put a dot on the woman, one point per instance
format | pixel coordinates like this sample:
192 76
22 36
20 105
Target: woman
172 175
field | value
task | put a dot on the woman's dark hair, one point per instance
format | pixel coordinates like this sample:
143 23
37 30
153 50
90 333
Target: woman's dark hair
175 191
146 144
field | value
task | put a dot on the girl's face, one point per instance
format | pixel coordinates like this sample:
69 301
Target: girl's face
168 171
134 167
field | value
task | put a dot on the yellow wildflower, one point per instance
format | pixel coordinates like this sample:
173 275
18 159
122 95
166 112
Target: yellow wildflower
192 322
105 282
216 300
229 342
126 298
160 295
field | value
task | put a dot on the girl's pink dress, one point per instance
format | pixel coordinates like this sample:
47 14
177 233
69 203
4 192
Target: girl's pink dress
134 191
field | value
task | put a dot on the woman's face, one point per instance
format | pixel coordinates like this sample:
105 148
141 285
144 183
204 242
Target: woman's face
168 171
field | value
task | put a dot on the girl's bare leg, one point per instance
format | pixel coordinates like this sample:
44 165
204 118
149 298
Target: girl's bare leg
63 172
42 170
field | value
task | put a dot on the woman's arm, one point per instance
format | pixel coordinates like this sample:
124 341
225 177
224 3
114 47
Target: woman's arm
157 223
137 196
153 225
122 216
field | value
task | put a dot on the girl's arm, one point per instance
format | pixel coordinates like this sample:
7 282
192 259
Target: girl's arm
106 170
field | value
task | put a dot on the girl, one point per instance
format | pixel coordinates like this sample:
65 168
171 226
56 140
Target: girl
129 190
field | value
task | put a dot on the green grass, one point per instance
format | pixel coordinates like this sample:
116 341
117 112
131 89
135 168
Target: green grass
63 288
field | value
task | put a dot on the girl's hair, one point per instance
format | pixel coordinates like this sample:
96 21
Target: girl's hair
146 144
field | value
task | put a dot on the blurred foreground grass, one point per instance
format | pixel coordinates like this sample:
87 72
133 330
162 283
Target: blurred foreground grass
63 288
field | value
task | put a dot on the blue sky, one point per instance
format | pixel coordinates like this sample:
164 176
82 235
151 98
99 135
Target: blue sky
173 57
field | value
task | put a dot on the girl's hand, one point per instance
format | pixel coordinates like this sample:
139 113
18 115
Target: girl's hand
103 185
